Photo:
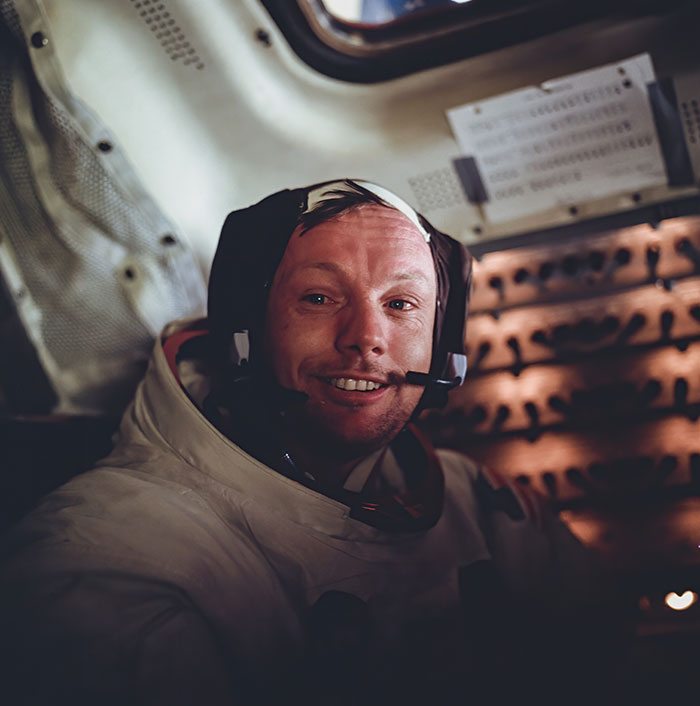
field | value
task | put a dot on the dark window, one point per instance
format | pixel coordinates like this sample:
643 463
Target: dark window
375 40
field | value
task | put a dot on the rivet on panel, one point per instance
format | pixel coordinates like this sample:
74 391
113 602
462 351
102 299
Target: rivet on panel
263 37
39 40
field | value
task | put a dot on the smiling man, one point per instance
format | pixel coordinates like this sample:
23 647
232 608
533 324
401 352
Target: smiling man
271 527
351 310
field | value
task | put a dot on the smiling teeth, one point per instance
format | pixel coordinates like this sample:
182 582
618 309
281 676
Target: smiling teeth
350 384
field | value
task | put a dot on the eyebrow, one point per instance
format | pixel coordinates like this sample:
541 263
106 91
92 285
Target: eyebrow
334 268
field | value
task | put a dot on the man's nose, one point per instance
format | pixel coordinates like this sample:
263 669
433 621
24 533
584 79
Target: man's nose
362 329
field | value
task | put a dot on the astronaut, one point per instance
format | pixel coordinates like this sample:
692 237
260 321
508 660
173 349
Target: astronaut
272 525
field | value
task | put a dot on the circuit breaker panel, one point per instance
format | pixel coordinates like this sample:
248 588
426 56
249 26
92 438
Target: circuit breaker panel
584 384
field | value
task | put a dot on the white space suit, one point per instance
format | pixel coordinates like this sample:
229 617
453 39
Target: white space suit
183 571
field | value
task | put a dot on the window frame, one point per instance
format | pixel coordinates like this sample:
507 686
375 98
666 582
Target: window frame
364 53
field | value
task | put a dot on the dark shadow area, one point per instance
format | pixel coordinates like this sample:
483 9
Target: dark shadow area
41 453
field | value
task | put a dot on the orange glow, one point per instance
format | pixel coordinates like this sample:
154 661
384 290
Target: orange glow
682 602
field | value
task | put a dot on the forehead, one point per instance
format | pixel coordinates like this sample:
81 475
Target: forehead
368 233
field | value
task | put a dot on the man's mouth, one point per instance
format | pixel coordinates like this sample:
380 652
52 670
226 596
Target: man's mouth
355 384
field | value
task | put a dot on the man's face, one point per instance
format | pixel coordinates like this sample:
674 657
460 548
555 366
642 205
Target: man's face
351 311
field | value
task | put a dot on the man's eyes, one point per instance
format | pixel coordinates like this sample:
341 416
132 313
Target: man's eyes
315 298
320 299
400 304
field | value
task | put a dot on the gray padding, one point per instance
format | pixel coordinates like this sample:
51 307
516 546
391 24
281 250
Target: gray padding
93 267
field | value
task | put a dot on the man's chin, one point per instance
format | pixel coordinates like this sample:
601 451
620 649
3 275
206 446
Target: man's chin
345 442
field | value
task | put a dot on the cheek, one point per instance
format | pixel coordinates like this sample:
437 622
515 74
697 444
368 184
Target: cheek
281 349
277 338
415 348
292 344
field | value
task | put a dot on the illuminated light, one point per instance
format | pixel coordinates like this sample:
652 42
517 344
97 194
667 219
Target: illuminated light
349 10
459 2
682 602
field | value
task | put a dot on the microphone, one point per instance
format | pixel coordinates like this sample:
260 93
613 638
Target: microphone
453 376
